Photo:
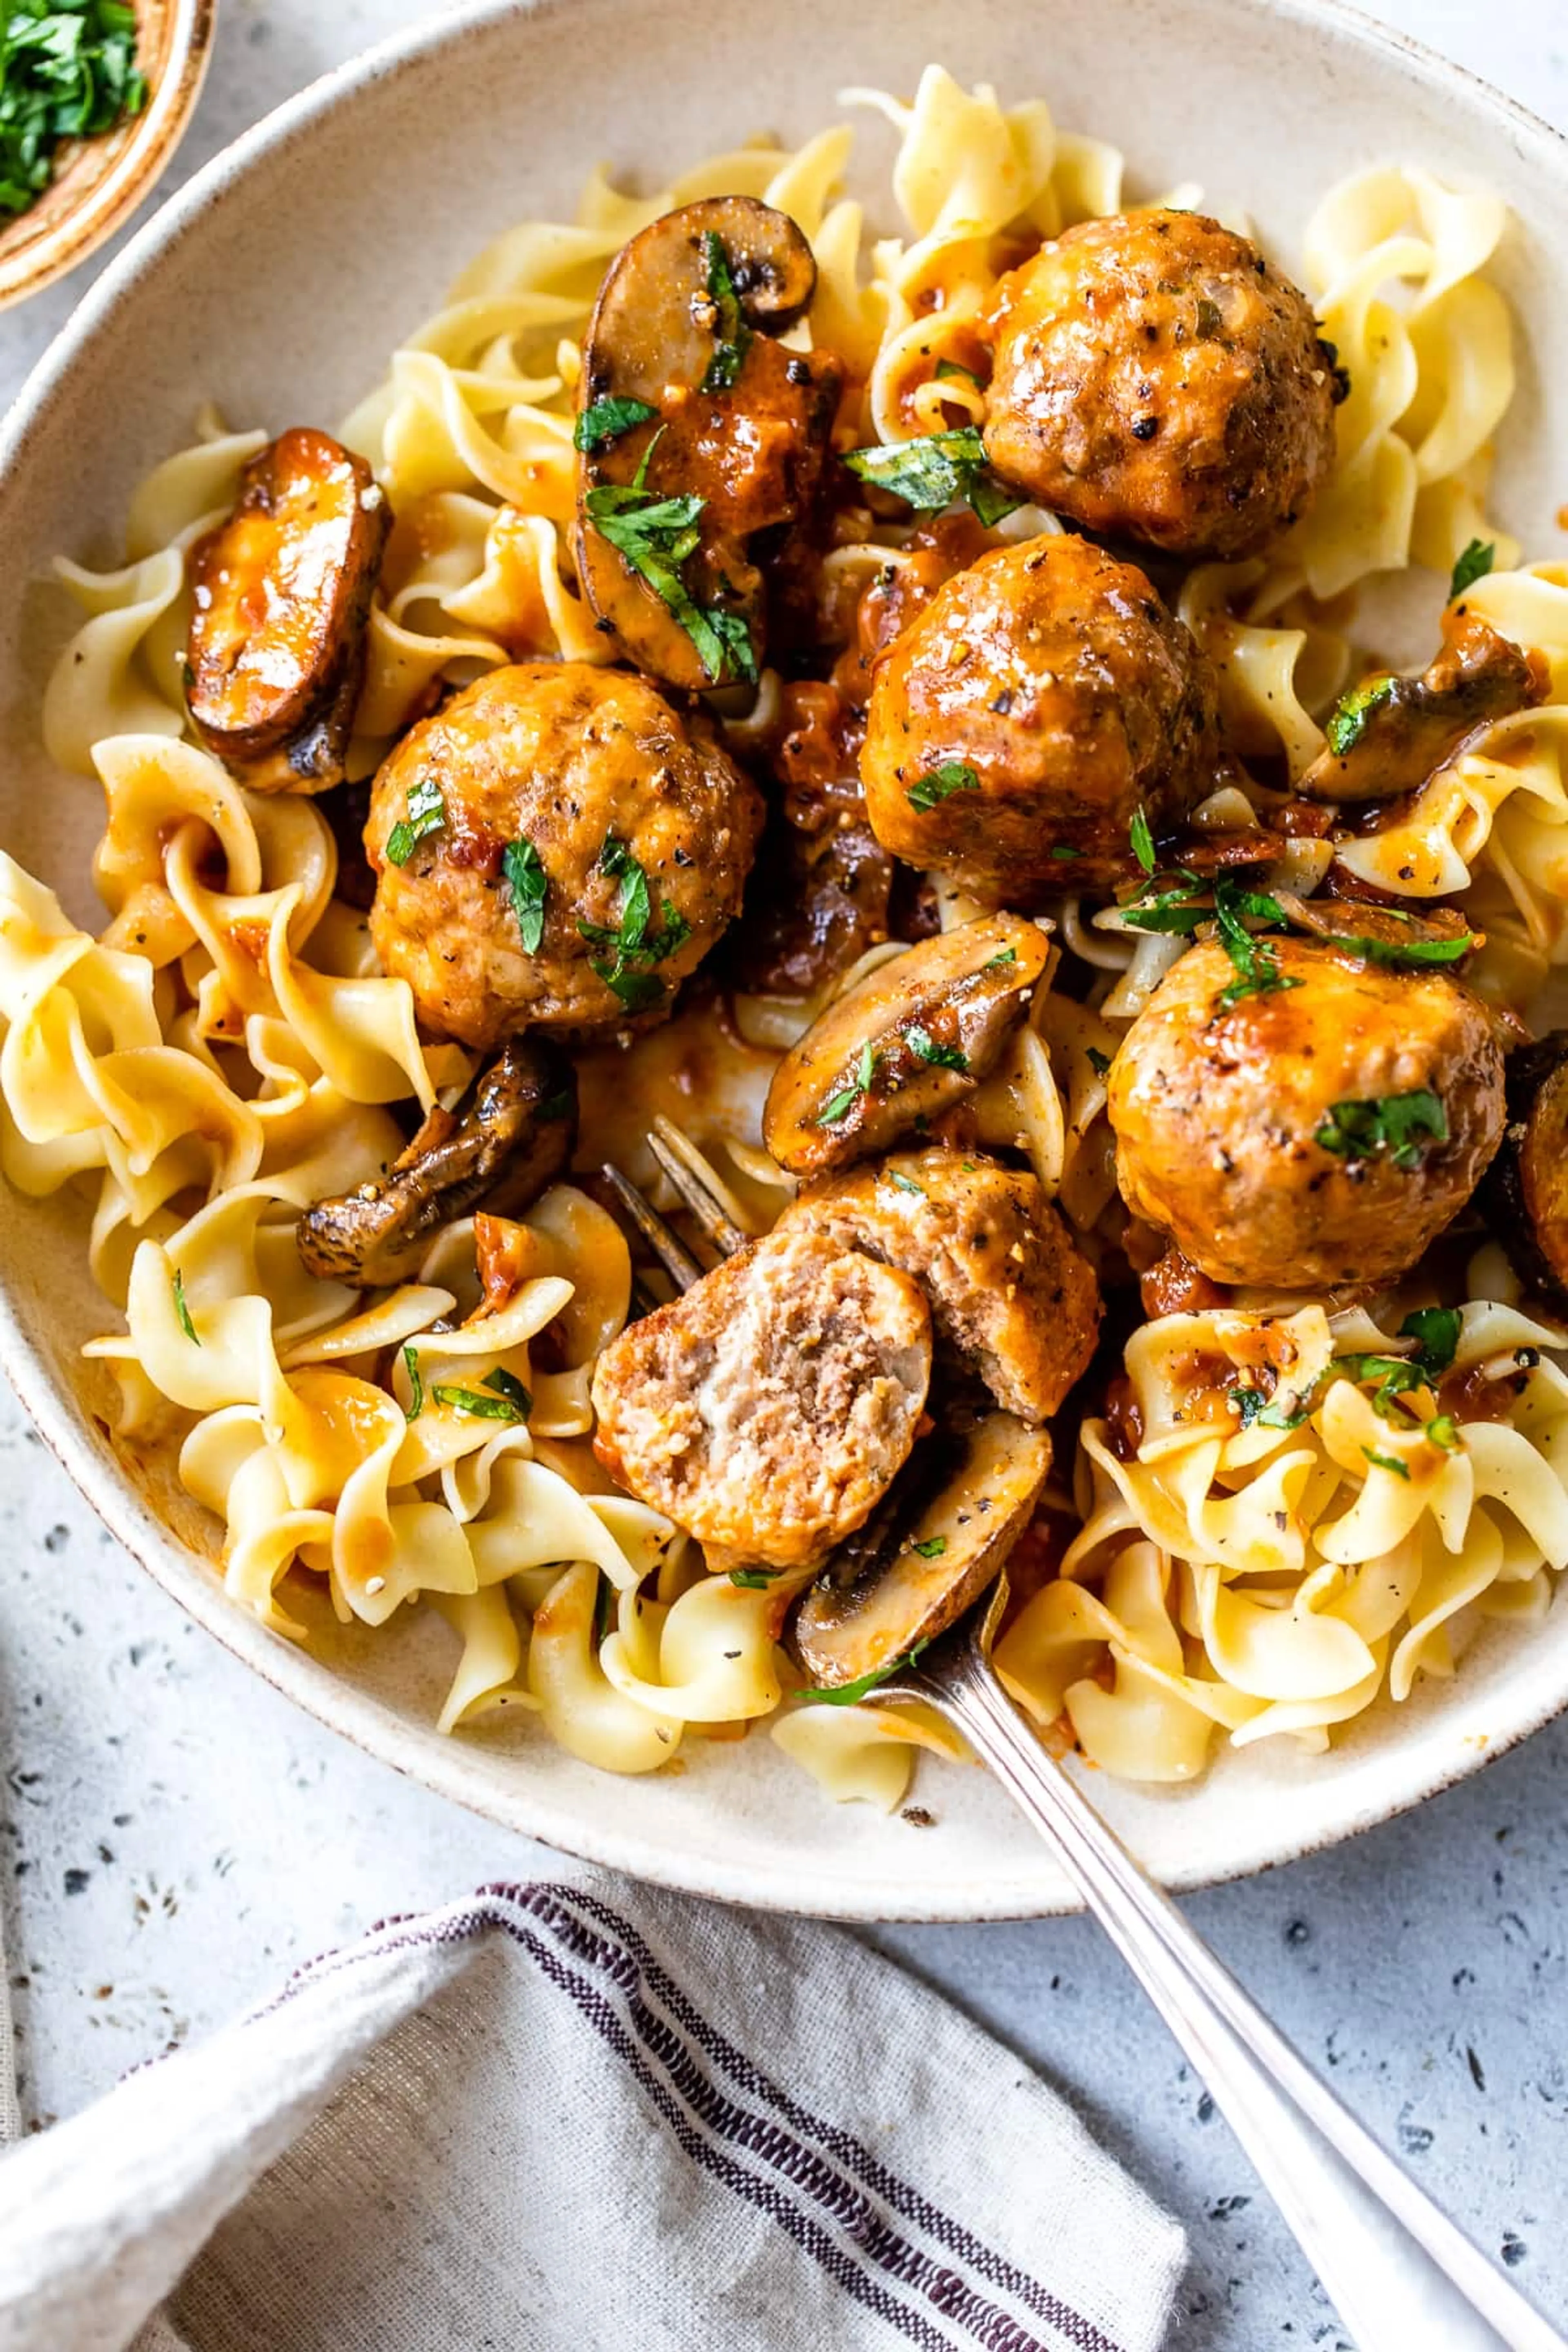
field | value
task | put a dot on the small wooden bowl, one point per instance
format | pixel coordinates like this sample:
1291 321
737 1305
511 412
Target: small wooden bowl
99 183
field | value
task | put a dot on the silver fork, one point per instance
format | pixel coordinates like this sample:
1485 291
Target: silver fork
1401 2276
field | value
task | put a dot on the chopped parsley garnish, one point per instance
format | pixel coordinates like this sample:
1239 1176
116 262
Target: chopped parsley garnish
1474 564
848 1694
606 422
940 784
426 814
1002 956
636 945
1254 1406
906 1185
947 368
1387 1462
935 471
1400 1124
416 1405
1349 717
1400 955
932 1548
731 333
1396 1376
1143 839
1098 1062
1257 971
1435 1332
66 72
941 1057
844 1101
507 1384
480 1407
655 535
1061 850
1443 1431
182 1310
522 870
753 1579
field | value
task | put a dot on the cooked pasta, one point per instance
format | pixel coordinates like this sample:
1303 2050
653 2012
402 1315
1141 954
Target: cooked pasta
1288 1504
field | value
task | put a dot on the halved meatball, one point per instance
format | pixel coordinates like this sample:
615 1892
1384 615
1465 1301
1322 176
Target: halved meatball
555 849
1011 1295
1156 380
1018 725
769 1409
1319 1134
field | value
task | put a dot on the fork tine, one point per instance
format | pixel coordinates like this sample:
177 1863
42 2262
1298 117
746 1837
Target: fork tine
666 1246
713 1219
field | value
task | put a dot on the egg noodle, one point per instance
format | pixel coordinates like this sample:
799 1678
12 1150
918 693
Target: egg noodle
227 1051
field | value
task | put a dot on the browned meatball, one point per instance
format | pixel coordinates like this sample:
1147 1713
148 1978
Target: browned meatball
1316 1134
1155 379
570 850
770 1408
1010 1293
1017 726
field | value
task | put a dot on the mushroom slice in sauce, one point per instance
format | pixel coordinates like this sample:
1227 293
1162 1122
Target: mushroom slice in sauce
918 1567
1390 733
698 431
282 591
512 1134
914 1038
1526 1191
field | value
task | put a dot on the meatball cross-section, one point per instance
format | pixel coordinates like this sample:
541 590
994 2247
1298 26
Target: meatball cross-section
769 1409
555 849
1318 1134
1156 379
1018 726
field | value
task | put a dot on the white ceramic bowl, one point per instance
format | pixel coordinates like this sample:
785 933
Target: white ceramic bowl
276 283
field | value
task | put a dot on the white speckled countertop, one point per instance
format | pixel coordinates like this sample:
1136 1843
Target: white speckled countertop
174 1837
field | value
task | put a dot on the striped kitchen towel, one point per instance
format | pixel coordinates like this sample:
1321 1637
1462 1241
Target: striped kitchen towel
583 2115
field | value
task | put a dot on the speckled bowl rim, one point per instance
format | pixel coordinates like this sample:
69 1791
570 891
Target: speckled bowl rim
29 264
447 1766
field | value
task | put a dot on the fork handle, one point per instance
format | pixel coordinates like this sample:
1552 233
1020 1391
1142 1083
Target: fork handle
1397 2270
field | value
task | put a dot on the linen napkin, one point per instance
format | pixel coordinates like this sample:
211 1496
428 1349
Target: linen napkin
583 2115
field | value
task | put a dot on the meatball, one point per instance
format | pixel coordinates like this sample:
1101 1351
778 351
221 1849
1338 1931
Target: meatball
1017 728
1010 1294
770 1408
1316 1135
554 849
1156 380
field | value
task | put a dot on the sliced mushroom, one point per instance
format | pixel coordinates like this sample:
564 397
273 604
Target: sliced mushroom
955 1516
512 1134
1390 733
914 1038
1525 1193
698 402
277 648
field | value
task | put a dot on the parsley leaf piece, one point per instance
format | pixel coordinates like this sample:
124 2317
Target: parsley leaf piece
1349 717
753 1579
843 1103
1257 971
907 1184
606 422
655 535
866 1067
1387 1462
635 944
416 1405
946 368
1254 1406
932 1548
522 870
1435 1332
1061 850
940 784
426 814
935 471
1249 1404
1143 839
182 1312
66 72
1098 1062
848 1694
941 1057
731 334
1443 1431
1400 955
477 1405
507 1384
1474 564
1003 956
1400 1124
